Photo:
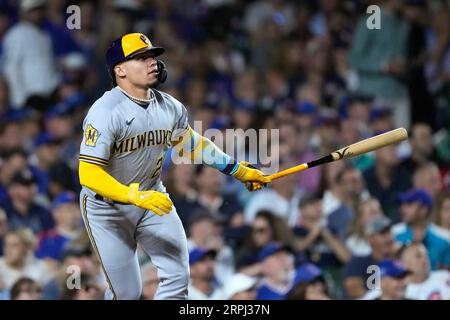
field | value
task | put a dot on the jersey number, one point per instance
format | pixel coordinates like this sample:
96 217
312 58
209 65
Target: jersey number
158 167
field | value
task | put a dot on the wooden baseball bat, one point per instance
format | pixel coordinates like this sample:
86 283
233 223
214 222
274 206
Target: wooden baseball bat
355 149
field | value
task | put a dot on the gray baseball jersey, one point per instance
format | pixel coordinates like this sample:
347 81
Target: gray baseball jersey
131 142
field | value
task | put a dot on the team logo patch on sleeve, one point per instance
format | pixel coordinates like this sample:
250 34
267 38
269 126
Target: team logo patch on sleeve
91 136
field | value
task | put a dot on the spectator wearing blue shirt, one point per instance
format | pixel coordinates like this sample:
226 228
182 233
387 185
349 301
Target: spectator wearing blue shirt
277 269
45 155
67 217
20 207
415 209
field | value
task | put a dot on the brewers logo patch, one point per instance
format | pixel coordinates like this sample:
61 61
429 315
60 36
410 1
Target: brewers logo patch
91 136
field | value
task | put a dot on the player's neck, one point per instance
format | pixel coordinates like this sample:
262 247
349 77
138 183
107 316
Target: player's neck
135 93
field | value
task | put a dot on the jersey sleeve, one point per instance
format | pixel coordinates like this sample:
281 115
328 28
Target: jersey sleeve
98 135
182 123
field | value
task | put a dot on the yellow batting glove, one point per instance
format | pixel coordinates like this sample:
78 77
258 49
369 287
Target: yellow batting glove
152 200
249 175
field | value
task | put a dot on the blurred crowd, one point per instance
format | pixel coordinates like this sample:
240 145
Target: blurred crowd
374 227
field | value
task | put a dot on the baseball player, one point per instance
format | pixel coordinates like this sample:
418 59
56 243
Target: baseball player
127 132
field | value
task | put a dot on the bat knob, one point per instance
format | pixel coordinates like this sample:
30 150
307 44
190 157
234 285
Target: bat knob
253 186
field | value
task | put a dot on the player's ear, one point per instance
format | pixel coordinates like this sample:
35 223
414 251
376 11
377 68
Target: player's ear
120 71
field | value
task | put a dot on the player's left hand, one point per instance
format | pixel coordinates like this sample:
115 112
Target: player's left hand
247 174
152 200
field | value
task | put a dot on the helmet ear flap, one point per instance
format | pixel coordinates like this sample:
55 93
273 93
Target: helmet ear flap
162 71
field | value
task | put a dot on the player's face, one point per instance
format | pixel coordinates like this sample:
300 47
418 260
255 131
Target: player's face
141 71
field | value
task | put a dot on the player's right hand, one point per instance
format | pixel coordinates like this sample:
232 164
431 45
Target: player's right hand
152 200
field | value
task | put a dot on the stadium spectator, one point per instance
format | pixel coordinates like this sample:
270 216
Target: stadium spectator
18 260
29 63
209 184
26 289
149 274
321 245
67 217
266 228
330 188
203 285
45 155
87 290
240 287
422 149
12 162
355 272
424 284
366 211
415 210
11 135
441 211
277 270
381 65
385 181
428 178
351 190
3 228
310 284
206 232
281 198
20 207
393 282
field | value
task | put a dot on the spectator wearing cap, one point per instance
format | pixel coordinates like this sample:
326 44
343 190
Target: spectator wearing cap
393 281
380 119
60 124
240 287
310 284
203 284
206 232
415 210
45 155
12 162
277 271
21 208
355 272
18 260
67 217
424 284
385 181
30 67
